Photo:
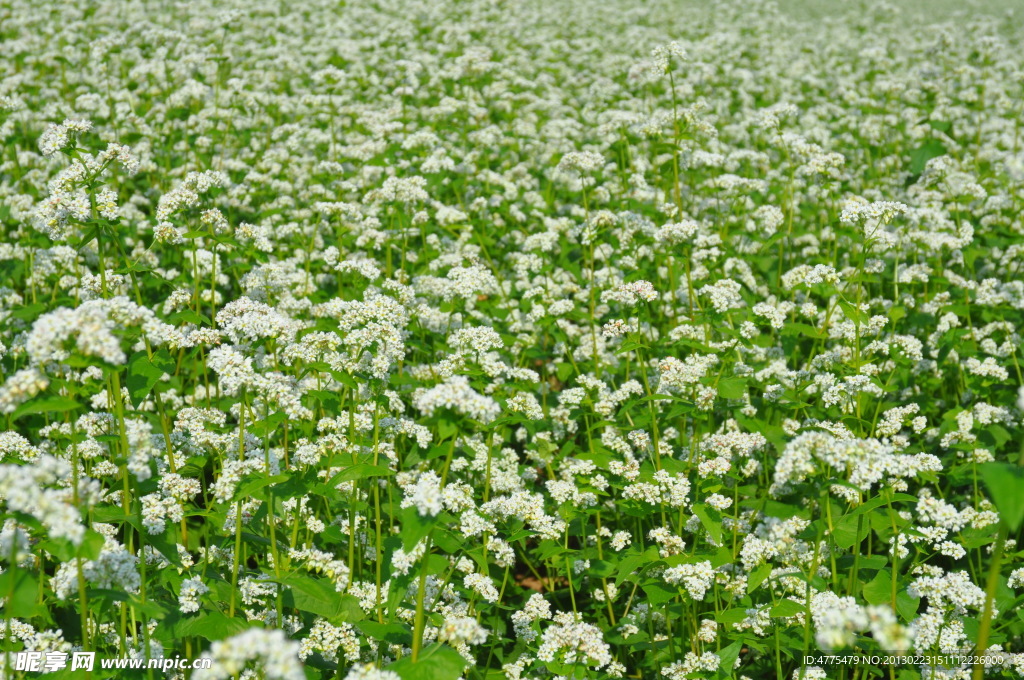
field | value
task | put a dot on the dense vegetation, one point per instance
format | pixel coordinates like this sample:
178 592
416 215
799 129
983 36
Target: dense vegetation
380 340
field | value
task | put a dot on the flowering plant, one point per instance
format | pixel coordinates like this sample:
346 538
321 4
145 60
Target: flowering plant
407 340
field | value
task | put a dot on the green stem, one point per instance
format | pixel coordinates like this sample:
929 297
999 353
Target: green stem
420 620
376 510
236 558
990 595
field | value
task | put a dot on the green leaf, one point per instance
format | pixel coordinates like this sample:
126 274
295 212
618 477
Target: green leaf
249 488
852 313
802 328
91 545
728 656
106 596
437 662
710 519
787 608
345 379
53 405
89 236
772 240
394 633
563 371
920 156
758 576
659 594
359 471
26 312
732 388
268 425
165 546
632 562
152 609
907 605
297 485
879 589
209 625
163 360
629 346
61 548
1005 483
844 533
189 316
329 400
22 603
318 596
10 268
446 429
415 527
734 615
997 434
143 375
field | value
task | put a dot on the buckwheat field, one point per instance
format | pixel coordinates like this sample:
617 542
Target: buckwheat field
426 340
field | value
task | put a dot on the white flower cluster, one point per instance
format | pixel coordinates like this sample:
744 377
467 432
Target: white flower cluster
57 137
191 590
863 463
270 651
425 495
115 568
26 488
437 317
631 293
571 641
696 579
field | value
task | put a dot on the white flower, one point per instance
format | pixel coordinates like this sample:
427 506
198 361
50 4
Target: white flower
270 651
482 586
696 579
57 137
631 293
370 672
425 495
462 630
569 640
581 161
191 590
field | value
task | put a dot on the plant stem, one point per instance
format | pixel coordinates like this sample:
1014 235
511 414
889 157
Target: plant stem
985 627
420 620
